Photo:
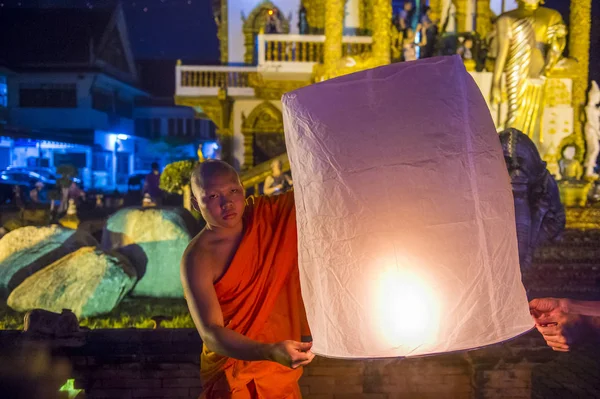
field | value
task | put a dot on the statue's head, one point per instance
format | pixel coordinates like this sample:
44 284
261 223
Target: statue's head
522 157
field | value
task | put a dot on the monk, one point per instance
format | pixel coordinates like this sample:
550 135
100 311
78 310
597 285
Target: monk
242 285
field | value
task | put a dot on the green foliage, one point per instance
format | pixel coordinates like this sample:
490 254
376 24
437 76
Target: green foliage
67 173
131 313
176 175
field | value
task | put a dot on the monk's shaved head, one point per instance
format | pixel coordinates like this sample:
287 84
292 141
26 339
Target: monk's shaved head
219 195
211 168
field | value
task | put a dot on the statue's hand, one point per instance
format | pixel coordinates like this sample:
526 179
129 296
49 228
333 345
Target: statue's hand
496 98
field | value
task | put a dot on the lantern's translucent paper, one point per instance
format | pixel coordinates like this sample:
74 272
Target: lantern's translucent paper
406 227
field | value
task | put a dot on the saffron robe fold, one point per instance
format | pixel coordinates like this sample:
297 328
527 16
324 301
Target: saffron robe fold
260 298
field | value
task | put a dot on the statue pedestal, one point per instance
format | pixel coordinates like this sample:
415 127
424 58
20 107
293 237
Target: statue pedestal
557 116
557 124
574 194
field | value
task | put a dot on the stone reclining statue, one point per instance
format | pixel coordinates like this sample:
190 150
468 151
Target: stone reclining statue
539 214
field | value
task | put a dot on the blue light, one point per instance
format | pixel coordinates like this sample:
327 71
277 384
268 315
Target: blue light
210 149
122 136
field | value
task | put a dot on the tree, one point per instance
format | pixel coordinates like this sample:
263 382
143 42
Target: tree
175 178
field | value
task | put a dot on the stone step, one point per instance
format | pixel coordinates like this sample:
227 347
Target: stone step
568 254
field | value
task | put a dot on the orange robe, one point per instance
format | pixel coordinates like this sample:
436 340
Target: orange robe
260 298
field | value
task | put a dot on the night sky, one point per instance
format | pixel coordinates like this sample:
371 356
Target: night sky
158 29
167 30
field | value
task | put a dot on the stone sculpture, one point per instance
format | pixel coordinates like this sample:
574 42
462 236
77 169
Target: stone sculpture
539 214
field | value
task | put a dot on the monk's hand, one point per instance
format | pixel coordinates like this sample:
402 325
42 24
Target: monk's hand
560 329
291 354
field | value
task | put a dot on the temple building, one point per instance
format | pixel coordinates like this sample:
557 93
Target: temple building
271 47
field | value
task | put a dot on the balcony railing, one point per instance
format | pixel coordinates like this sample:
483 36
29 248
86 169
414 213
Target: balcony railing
206 80
295 54
299 53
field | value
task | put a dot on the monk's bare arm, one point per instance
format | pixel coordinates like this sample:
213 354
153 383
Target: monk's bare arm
197 279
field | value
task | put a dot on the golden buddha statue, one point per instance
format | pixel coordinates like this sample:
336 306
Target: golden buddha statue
529 45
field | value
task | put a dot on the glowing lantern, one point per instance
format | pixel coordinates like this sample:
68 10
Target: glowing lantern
406 228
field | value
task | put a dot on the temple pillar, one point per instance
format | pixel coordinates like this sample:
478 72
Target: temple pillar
461 14
436 10
382 17
334 30
579 48
483 21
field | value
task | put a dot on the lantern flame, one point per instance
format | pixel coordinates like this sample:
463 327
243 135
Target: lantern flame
408 311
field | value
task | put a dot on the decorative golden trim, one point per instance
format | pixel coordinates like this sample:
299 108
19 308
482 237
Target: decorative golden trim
264 118
483 19
255 23
461 14
436 10
273 89
334 30
222 21
382 21
583 218
315 13
579 48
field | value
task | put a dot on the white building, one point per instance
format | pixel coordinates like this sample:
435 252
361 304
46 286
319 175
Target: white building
71 97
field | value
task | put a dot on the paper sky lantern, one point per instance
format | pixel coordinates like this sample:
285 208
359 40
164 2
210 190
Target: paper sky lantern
406 227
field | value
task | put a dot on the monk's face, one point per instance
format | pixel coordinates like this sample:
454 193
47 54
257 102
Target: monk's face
221 200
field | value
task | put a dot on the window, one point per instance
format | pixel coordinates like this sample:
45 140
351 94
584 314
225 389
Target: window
3 92
143 127
189 125
101 161
172 129
124 108
77 159
48 96
102 100
156 128
179 127
204 129
198 127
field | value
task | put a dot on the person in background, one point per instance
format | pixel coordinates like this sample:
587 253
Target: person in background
565 323
405 16
278 182
409 47
76 193
36 195
431 30
152 184
18 196
466 49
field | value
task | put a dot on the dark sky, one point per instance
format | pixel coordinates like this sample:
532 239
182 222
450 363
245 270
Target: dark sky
158 29
167 30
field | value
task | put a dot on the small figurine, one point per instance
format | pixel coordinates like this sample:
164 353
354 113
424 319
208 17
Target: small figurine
570 168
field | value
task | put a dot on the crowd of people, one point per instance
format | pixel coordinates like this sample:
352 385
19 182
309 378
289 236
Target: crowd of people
418 35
